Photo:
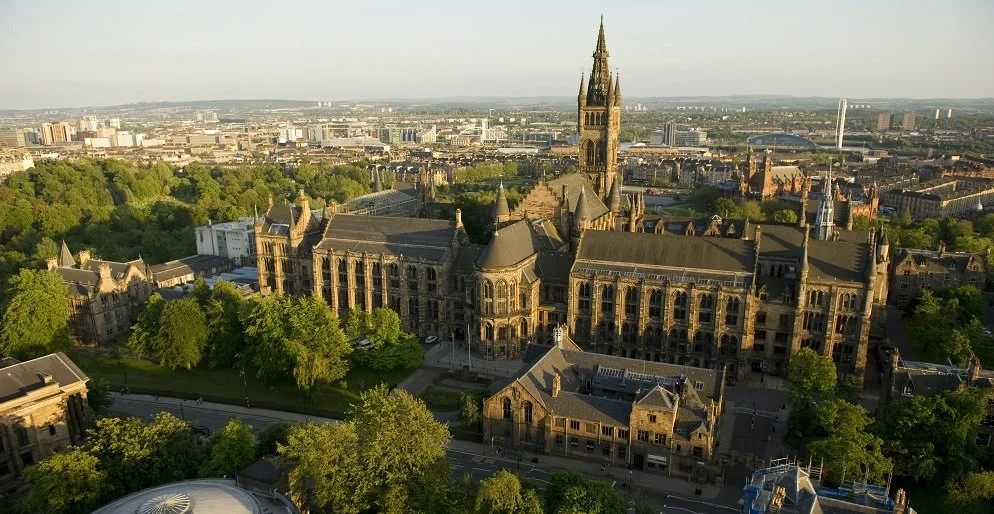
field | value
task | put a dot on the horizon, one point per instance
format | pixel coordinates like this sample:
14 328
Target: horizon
344 53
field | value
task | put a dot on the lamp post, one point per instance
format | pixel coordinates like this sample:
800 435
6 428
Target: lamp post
182 413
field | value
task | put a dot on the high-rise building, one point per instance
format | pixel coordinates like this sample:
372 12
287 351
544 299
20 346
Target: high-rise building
114 123
599 121
938 113
54 133
692 137
909 121
949 114
12 138
884 121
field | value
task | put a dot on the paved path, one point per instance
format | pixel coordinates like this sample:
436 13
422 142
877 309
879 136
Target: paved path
443 355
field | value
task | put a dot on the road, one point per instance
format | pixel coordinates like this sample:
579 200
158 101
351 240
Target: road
478 466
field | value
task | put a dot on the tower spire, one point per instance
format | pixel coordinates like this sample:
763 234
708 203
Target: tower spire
600 75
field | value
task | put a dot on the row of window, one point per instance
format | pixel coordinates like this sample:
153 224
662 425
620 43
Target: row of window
705 304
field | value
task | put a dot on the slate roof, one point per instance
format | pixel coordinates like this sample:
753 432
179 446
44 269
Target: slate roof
574 183
65 256
836 260
554 266
467 256
19 379
702 253
192 265
117 269
614 406
518 241
429 239
933 261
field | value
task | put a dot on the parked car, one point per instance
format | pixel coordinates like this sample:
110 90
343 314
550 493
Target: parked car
365 344
431 340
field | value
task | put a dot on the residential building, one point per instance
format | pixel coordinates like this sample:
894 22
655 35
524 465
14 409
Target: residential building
187 270
55 133
42 409
787 487
917 269
651 416
945 196
105 297
903 380
884 121
908 122
234 240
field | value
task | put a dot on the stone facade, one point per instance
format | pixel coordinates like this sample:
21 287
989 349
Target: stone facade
43 410
105 297
915 270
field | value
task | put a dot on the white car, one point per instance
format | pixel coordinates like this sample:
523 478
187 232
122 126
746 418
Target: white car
431 340
365 344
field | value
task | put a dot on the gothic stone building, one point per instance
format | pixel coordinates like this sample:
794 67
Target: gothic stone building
105 297
653 416
576 252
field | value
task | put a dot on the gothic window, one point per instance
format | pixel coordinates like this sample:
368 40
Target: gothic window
501 297
502 333
631 301
584 296
488 297
656 304
629 332
343 272
607 299
605 330
360 274
506 404
680 305
705 311
528 412
394 272
524 327
488 331
590 153
377 276
431 278
412 278
732 312
414 309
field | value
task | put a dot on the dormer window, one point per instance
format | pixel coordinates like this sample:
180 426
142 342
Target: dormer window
699 385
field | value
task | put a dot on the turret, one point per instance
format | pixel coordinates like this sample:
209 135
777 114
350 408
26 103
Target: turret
803 265
614 198
581 97
883 247
617 90
501 212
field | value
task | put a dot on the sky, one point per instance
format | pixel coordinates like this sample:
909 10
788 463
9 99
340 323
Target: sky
69 53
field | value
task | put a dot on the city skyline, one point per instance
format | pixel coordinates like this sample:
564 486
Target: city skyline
445 49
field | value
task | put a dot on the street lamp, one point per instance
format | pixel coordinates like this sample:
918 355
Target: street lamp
244 375
182 413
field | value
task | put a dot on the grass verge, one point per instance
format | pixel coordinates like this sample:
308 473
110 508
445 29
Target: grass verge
443 400
228 386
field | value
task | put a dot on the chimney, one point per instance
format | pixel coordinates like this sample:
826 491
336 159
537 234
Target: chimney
556 385
51 263
942 248
45 378
900 502
104 270
458 218
84 255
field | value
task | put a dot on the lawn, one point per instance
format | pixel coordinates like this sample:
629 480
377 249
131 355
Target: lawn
227 385
443 400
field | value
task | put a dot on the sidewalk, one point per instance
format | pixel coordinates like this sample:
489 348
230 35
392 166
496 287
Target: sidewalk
444 355
592 470
234 410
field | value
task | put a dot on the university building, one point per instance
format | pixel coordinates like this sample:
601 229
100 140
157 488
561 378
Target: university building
576 252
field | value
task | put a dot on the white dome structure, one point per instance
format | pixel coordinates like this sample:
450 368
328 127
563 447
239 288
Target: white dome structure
978 206
213 496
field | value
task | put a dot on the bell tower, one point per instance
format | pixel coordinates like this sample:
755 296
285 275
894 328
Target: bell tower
599 121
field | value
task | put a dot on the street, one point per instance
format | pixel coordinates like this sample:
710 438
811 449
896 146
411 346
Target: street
215 416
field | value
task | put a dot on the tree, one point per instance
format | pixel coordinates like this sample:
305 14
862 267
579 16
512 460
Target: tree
271 437
399 436
469 410
383 326
142 338
726 208
231 450
98 395
64 482
326 467
503 494
785 216
355 325
811 379
36 317
135 455
703 199
182 335
226 333
570 492
849 448
975 487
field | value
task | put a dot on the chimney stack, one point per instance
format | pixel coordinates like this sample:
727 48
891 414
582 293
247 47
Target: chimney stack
51 263
84 255
458 218
556 385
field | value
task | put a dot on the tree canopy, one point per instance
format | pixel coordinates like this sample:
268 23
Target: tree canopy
66 482
36 315
232 449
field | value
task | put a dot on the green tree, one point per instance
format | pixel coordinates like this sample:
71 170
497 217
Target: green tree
503 494
726 208
182 334
142 338
98 395
400 437
64 482
849 448
785 216
326 467
271 437
226 334
355 325
703 199
569 492
973 488
36 317
231 450
811 379
383 326
469 408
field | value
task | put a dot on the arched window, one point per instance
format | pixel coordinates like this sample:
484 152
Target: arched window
705 310
680 305
488 331
732 312
656 304
501 297
631 301
524 327
607 299
583 296
506 404
528 412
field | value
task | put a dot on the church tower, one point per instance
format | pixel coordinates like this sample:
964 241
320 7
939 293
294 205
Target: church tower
599 121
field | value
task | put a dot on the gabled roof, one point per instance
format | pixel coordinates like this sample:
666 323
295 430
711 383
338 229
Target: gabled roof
518 241
701 253
575 183
65 257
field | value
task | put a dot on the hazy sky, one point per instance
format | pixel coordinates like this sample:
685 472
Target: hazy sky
61 53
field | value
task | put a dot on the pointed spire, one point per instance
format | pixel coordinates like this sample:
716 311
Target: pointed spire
601 45
255 218
617 89
583 87
614 198
804 254
501 210
65 256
